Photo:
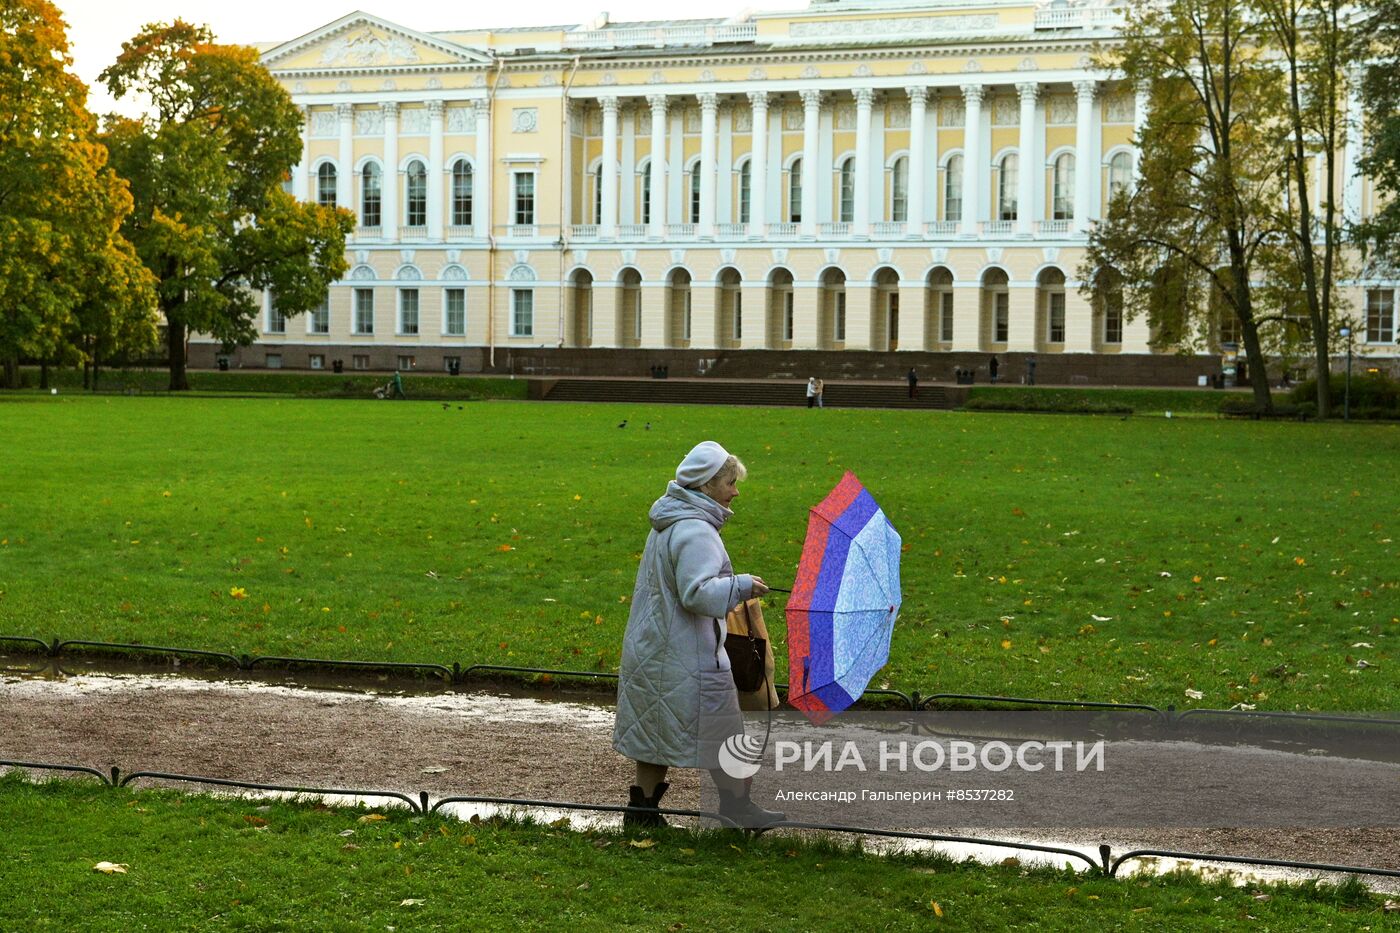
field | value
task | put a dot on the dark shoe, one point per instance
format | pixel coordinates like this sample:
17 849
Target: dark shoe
742 811
644 815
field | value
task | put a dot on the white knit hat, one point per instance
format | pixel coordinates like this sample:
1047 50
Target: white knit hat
701 464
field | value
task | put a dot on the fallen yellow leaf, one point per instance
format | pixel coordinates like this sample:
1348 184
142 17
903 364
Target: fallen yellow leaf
373 818
643 843
111 868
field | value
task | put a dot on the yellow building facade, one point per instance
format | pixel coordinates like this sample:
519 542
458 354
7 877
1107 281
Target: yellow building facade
861 175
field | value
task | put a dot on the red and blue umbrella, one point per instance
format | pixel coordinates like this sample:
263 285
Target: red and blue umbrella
844 602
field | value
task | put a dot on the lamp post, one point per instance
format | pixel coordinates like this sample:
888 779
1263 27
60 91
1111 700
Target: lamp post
1346 402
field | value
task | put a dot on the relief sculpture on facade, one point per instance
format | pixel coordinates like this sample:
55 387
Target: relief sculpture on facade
370 49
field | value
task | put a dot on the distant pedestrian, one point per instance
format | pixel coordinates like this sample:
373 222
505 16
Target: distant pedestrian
992 366
913 378
821 388
811 391
1030 370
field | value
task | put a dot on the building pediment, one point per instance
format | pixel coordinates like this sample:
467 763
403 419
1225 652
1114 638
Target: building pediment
359 41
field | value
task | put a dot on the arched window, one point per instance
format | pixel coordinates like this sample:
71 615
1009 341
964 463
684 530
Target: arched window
695 193
325 185
1007 179
899 190
416 207
952 188
370 195
1063 188
795 192
745 193
1120 174
461 193
848 191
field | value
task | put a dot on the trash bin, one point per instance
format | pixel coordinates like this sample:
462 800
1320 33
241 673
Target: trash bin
338 365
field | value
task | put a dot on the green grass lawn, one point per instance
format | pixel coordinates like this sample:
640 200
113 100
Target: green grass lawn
1055 556
196 862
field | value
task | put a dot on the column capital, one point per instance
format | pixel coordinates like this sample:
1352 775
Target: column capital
1028 89
436 108
917 95
709 102
973 93
1086 89
482 107
610 105
344 111
865 96
758 100
391 109
658 104
811 98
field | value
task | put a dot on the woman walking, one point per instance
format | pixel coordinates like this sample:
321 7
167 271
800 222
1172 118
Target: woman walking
675 690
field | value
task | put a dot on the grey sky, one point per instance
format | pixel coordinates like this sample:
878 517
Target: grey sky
97 28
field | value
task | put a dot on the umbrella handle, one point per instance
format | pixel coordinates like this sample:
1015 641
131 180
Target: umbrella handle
778 589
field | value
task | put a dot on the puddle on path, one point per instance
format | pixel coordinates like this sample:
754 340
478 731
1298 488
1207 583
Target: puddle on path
542 711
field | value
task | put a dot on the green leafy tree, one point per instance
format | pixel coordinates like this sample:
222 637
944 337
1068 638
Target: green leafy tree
61 206
1212 151
1380 233
206 168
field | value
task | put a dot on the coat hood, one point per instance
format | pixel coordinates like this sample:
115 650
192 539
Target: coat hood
681 503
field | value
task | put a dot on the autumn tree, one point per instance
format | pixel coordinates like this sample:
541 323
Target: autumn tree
1211 166
1380 233
61 206
1318 46
206 168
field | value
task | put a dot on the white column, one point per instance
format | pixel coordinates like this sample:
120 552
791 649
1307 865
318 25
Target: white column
709 109
865 97
918 105
811 114
389 190
345 172
484 173
657 229
1026 213
627 212
299 186
972 158
1086 155
1140 102
607 223
758 166
1351 151
436 170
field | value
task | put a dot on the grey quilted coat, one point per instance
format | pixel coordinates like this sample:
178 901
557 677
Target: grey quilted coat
675 672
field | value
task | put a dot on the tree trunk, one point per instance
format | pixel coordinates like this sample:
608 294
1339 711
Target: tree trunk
12 372
44 374
87 372
1258 373
175 344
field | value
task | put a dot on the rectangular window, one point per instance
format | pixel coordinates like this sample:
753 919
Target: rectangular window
840 322
953 189
320 322
407 362
848 191
1380 316
646 196
274 361
408 311
946 322
899 191
522 312
1001 303
745 194
787 315
1113 323
325 186
1056 317
452 364
695 195
795 193
360 361
364 310
318 361
525 199
276 320
454 309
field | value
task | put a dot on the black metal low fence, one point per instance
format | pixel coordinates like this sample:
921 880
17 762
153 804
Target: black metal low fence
422 803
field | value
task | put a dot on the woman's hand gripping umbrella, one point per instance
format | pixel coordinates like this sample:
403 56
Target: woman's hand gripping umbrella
844 603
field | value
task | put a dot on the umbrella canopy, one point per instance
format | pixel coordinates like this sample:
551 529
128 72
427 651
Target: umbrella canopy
844 603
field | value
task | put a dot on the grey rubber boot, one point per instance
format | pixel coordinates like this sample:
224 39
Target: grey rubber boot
741 810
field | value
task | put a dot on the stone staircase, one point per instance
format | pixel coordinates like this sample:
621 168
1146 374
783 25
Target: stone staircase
788 393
